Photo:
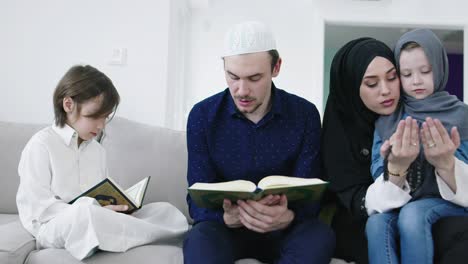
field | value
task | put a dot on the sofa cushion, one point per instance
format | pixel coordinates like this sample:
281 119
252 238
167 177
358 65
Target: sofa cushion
149 254
135 150
144 254
51 256
8 218
15 241
13 138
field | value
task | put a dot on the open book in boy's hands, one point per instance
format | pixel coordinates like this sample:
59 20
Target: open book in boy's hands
109 192
211 195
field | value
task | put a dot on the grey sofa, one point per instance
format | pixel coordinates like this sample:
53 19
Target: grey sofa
134 151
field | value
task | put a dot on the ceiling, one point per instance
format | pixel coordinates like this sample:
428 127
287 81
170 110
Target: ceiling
337 35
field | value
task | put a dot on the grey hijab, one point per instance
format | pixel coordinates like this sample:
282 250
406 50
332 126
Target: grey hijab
441 105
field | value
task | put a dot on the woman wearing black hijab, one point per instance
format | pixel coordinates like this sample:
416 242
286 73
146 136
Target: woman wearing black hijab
364 85
348 127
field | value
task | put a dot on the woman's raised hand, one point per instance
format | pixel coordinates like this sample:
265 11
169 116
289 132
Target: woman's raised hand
403 146
439 148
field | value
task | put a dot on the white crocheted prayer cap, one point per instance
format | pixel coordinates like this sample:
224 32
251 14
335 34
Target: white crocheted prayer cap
248 37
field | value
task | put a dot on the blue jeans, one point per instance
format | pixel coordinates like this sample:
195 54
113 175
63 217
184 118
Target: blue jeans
308 241
410 226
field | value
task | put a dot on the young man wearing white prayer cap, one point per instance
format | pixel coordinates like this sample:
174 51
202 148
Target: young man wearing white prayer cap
246 132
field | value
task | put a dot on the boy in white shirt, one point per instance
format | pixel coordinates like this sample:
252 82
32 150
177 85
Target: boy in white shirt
63 160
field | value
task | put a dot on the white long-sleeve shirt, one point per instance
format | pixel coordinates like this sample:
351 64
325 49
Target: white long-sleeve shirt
383 196
53 170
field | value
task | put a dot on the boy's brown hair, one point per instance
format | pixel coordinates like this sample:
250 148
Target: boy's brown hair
83 83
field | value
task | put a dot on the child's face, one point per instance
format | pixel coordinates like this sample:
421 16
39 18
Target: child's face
86 127
416 73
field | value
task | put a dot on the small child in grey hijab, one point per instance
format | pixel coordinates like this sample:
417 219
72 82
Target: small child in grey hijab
405 234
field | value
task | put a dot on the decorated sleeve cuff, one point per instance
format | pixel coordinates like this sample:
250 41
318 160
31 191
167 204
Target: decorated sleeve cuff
461 181
383 196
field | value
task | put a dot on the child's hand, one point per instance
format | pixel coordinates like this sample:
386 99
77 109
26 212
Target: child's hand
117 208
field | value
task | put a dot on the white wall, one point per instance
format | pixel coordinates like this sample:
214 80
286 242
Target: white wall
176 74
40 40
173 51
299 29
294 39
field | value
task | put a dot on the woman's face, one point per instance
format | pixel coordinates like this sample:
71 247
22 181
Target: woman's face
380 87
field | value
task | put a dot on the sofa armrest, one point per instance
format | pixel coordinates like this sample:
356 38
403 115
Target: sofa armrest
15 243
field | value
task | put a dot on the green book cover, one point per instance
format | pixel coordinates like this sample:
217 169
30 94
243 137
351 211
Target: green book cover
108 192
211 195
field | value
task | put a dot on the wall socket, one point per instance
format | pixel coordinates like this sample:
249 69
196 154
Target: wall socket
118 56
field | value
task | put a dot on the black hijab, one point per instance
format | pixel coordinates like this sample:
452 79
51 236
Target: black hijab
348 125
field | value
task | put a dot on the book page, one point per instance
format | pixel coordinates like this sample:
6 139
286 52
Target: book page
235 186
276 181
107 192
137 191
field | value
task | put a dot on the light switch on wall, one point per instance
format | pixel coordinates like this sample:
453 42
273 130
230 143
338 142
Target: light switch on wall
118 56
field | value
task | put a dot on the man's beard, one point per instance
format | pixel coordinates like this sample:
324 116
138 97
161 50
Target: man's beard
250 111
255 108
